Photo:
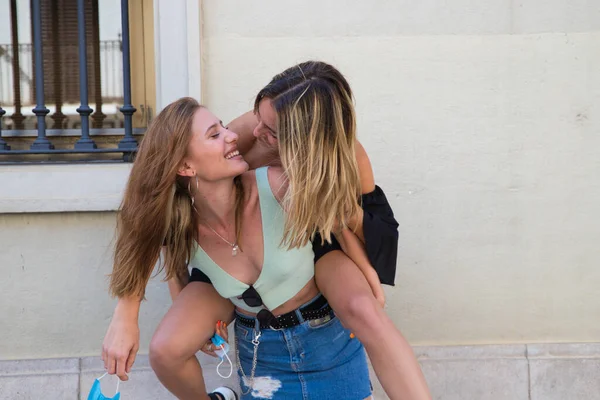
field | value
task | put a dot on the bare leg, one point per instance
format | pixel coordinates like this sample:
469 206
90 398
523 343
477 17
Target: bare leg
187 326
349 294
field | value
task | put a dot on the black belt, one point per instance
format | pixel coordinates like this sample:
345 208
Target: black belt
319 308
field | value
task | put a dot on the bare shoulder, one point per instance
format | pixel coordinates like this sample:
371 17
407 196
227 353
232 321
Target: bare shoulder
278 182
367 180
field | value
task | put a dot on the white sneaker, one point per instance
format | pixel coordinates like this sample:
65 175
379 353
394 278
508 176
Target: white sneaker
225 393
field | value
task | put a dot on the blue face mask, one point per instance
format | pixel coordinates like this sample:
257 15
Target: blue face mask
221 351
96 391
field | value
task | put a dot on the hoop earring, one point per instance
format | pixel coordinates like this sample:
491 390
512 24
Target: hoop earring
190 190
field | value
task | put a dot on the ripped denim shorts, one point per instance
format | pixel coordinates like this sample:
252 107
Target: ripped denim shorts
311 361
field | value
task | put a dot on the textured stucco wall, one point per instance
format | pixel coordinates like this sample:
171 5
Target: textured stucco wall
481 119
53 291
482 122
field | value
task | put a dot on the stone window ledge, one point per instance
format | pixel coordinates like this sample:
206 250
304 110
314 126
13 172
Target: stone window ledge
42 188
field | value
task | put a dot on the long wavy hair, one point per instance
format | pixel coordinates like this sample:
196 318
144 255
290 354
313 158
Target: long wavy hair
316 131
156 211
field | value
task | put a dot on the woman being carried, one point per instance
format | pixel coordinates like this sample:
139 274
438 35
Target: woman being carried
316 137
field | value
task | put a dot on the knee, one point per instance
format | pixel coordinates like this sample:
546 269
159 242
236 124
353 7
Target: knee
163 353
361 310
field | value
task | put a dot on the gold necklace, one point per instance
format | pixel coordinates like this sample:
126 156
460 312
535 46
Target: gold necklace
234 246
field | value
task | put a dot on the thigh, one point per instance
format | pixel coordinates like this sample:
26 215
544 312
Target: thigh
340 280
192 318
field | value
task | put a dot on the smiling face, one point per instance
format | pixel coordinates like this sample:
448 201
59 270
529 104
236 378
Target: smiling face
267 123
212 152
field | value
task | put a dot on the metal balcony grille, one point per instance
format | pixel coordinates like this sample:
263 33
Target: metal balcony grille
63 70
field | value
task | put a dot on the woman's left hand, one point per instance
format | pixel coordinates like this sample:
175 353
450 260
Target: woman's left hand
221 330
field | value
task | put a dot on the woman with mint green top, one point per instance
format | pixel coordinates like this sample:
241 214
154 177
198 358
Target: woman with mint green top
183 193
252 288
284 272
324 362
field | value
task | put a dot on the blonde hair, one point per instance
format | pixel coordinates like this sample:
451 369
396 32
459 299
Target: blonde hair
316 128
156 209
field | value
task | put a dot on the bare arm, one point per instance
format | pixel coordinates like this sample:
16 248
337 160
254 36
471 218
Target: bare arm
129 306
353 241
355 249
255 152
122 340
177 283
367 183
367 180
244 126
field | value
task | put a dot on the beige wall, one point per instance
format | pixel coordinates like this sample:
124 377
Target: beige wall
482 123
53 291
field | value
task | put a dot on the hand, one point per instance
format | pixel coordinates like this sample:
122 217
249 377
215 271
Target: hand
375 285
221 330
121 344
379 295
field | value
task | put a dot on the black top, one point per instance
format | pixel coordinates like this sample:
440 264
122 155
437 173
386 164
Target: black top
380 229
381 239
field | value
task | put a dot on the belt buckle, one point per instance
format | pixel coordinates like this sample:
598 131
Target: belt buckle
320 321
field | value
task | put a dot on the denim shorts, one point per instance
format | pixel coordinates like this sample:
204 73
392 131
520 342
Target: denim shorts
311 361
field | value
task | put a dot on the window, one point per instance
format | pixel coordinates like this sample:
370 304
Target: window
84 61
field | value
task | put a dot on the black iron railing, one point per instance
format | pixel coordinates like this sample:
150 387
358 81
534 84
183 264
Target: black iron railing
19 55
19 71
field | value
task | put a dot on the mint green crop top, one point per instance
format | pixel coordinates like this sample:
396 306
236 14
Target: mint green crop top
284 272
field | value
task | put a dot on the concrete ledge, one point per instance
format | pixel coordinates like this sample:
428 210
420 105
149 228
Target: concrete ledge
564 371
491 372
484 352
494 372
35 379
567 350
39 367
62 188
